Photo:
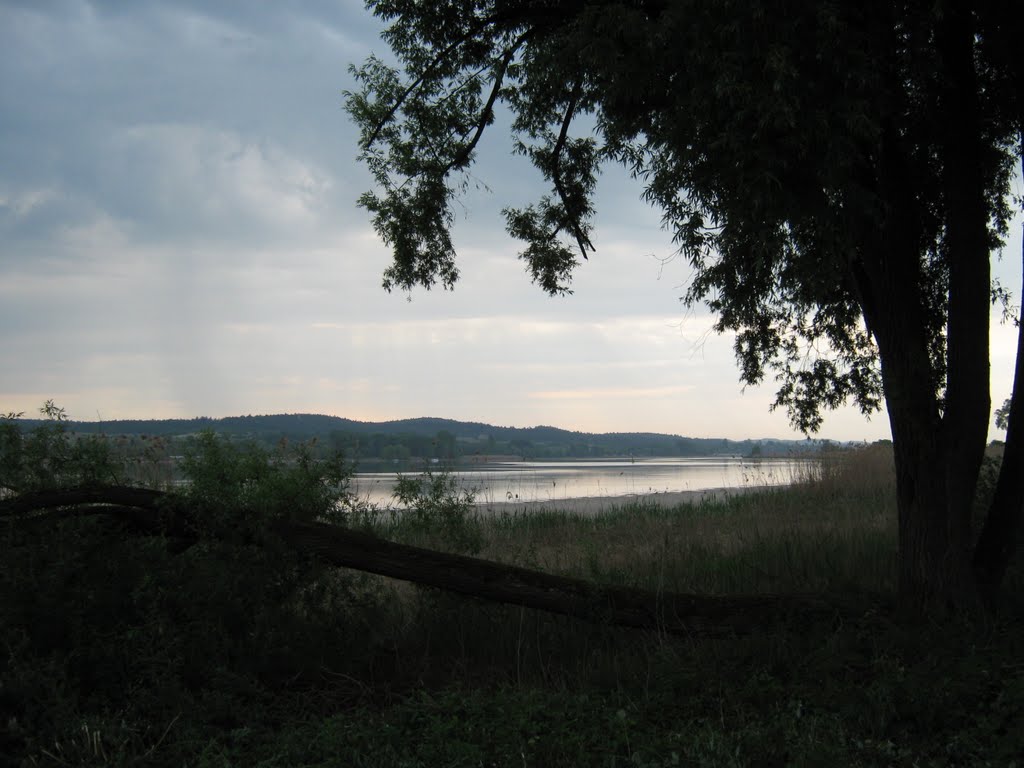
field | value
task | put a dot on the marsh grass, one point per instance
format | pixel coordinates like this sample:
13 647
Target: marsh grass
832 528
830 532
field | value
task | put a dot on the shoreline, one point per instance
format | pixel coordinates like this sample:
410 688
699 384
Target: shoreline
588 505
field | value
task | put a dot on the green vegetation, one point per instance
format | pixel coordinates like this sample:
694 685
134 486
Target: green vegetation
123 649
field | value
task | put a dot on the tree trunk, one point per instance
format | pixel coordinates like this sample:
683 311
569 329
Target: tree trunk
935 576
934 566
967 403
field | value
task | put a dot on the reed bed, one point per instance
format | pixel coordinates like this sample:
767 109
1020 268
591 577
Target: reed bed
832 527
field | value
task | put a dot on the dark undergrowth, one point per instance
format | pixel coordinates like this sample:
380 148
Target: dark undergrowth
122 650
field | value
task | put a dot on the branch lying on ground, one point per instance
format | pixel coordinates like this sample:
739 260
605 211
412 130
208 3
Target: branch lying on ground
679 614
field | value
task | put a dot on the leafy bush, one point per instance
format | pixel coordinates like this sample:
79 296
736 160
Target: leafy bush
434 505
97 619
235 488
49 457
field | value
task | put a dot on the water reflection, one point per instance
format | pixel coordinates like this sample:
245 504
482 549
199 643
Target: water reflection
532 481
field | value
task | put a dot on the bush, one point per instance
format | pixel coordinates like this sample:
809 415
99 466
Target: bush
97 621
236 488
48 457
435 507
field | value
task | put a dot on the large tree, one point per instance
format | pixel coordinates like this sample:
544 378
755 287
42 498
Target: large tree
836 173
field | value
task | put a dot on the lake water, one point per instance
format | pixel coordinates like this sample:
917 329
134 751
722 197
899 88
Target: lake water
531 481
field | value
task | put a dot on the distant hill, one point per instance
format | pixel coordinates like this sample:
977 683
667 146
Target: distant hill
441 438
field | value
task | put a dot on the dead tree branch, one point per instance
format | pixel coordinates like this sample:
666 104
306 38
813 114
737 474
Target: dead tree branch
678 614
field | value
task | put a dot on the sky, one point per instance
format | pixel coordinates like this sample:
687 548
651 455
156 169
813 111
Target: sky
179 237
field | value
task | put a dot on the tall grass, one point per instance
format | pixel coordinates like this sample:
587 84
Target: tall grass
832 528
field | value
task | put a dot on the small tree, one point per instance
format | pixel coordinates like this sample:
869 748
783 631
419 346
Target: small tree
836 173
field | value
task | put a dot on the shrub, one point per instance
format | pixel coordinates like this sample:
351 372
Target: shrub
97 619
434 506
49 457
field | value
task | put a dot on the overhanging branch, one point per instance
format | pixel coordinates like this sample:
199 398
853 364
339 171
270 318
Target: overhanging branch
427 72
556 172
486 114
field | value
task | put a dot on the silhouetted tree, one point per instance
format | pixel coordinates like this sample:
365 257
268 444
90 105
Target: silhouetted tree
836 173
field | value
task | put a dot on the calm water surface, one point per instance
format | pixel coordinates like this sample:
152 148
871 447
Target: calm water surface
529 481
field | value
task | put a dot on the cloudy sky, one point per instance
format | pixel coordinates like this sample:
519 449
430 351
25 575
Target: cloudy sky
179 237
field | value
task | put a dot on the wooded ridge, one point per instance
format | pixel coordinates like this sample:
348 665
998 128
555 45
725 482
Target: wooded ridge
440 438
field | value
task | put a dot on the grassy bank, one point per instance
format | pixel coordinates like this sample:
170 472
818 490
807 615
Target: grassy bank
128 654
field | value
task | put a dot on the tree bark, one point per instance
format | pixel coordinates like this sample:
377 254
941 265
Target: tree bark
679 614
967 402
894 308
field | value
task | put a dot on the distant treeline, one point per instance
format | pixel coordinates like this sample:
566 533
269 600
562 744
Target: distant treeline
442 439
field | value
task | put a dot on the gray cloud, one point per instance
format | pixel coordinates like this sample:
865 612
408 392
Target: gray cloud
176 121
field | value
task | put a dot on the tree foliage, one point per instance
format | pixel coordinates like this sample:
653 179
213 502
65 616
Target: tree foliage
759 133
836 174
1002 415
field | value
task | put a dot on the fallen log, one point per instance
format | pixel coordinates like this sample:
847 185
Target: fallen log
499 582
679 614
